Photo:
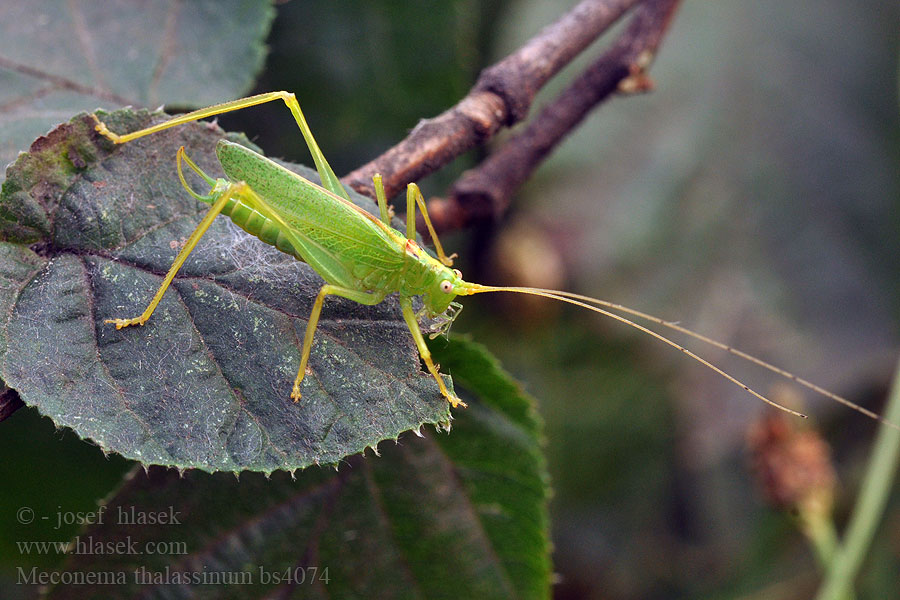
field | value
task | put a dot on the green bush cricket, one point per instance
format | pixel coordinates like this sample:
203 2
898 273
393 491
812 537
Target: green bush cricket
359 256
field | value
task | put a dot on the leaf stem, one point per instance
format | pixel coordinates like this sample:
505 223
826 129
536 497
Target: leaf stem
873 497
824 540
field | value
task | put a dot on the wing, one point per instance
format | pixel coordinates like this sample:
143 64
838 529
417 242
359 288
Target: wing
345 244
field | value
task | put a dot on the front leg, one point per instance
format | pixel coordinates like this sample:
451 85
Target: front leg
410 317
413 198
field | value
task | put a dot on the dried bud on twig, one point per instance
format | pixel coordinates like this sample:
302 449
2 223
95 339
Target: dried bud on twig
792 466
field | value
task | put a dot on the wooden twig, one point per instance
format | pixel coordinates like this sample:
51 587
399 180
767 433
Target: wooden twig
501 97
484 193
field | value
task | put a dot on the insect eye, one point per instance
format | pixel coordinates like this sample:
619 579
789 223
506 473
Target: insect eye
458 273
446 287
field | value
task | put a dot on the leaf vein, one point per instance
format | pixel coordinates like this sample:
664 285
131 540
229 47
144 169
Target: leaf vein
455 478
65 83
114 385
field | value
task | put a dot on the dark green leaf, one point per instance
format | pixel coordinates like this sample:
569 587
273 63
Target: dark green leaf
206 382
57 58
445 516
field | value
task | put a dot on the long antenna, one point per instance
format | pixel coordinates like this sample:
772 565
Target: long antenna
732 350
594 304
478 289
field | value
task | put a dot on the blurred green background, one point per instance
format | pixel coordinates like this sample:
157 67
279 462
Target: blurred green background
753 196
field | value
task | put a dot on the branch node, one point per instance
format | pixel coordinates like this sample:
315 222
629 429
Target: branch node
510 91
638 82
485 110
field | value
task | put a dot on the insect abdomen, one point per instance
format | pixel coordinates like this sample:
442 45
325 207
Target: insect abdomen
254 223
